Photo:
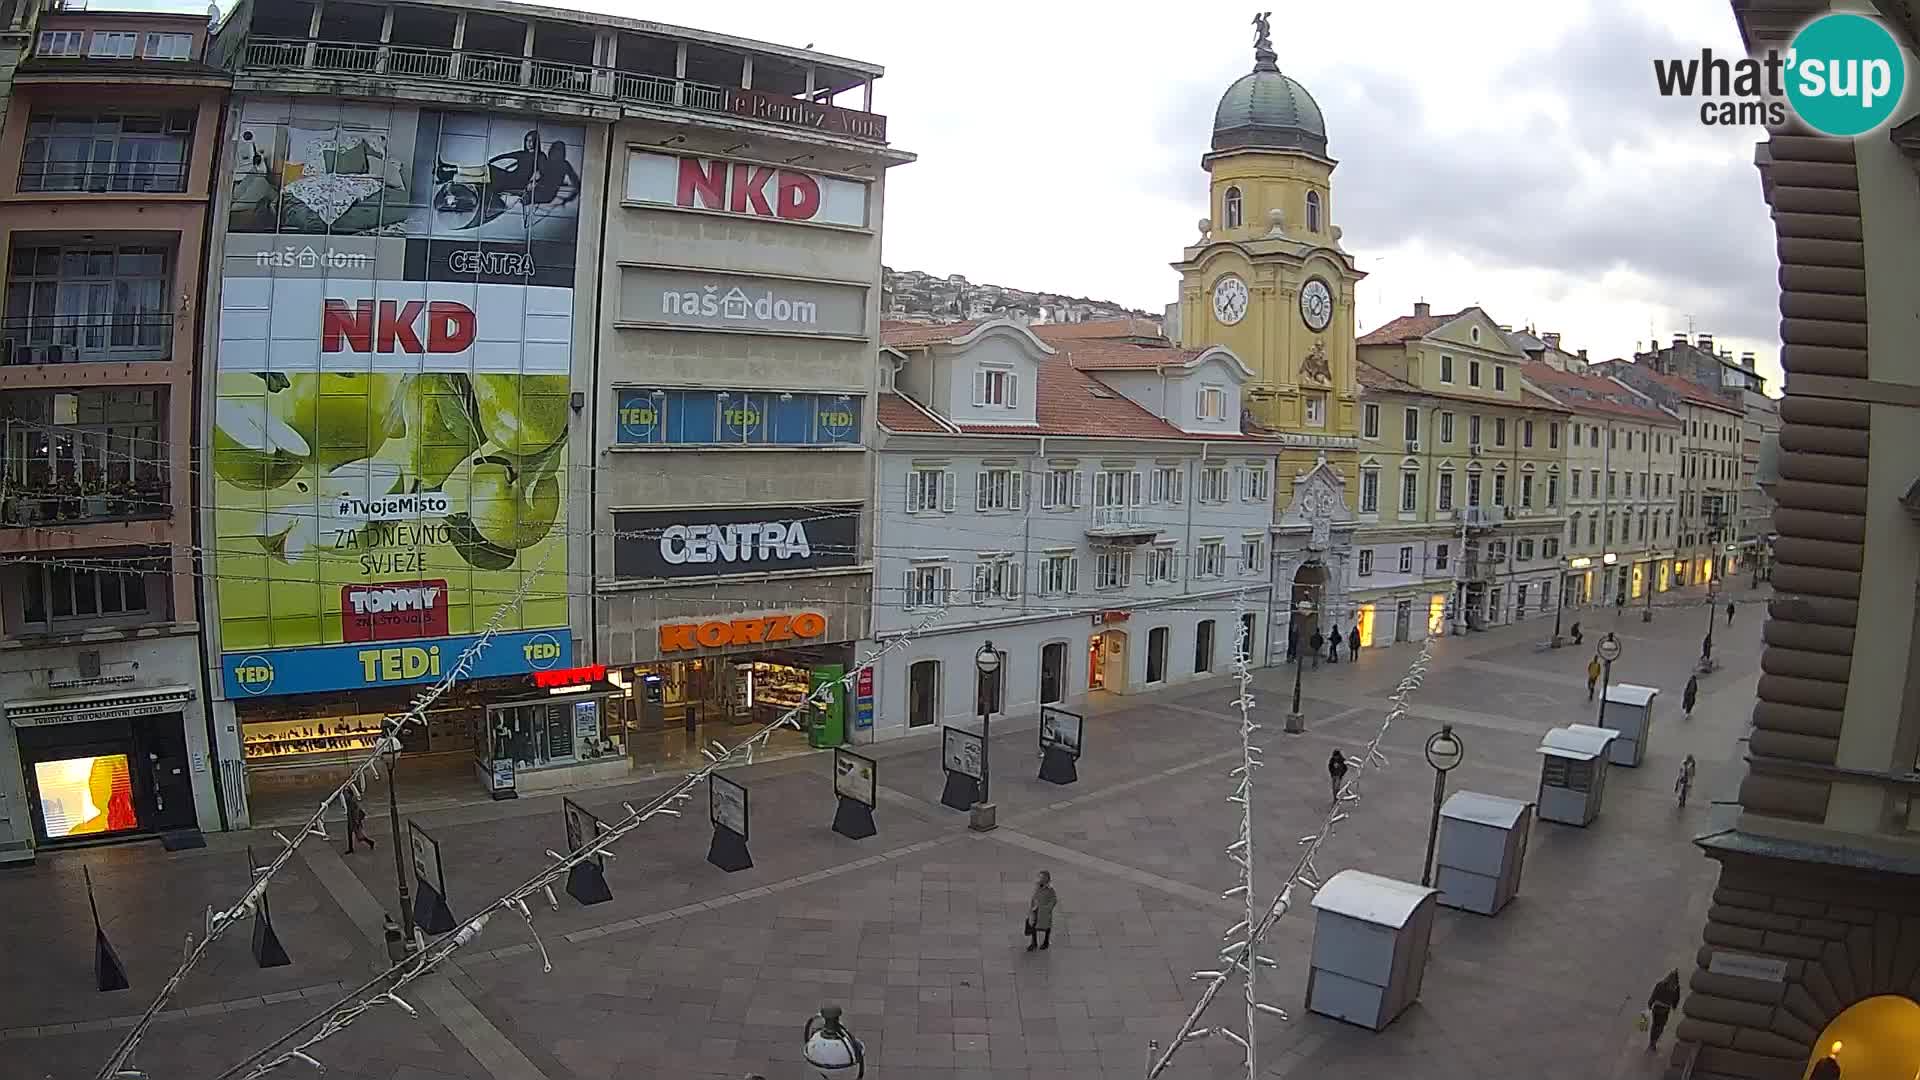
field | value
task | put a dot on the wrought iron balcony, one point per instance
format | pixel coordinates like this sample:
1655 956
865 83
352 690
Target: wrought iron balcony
86 337
102 177
468 68
1121 525
70 503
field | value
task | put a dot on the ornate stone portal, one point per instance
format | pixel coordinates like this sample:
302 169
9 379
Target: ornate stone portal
1315 533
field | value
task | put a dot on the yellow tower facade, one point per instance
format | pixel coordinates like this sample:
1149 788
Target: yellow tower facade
1268 278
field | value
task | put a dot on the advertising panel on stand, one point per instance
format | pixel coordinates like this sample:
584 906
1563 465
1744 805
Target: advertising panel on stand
395 379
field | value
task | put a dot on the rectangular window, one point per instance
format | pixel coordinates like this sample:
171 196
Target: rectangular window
89 303
1409 491
1210 558
1316 409
168 47
1553 435
1446 427
1593 483
1062 490
1526 433
113 45
1627 480
1406 560
1113 568
997 489
1575 477
1411 420
1213 484
1169 485
1593 438
90 591
1523 551
1473 430
928 585
1612 484
61 42
1439 556
930 491
1526 491
1593 530
1369 491
1444 500
1253 554
1163 564
1553 491
1059 574
1613 440
1370 421
1499 489
1254 485
1213 403
1366 562
996 577
1446 368
994 386
1550 548
63 444
1473 373
1499 431
1499 377
1473 489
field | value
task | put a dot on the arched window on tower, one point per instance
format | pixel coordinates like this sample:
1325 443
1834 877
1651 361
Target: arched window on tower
1232 210
1313 211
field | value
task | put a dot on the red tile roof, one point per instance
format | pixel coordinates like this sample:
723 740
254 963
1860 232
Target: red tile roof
1591 393
902 414
1405 327
1375 379
1686 388
907 335
1128 327
1102 354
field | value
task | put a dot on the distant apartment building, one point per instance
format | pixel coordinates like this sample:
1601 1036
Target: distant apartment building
1711 440
106 175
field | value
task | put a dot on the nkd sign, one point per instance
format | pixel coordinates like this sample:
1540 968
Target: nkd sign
724 540
750 189
729 302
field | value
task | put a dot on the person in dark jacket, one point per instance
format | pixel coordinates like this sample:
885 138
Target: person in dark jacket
356 821
1333 645
1353 643
1730 610
1576 633
1318 642
1337 771
1661 1003
1691 695
1040 912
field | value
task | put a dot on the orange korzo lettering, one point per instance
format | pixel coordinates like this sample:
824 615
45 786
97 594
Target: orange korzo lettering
675 637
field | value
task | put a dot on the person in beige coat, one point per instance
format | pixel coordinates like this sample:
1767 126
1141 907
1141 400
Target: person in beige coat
1040 913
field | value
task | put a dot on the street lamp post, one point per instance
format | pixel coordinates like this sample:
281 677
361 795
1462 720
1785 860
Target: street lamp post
399 863
1297 720
987 662
831 1049
1560 602
1609 650
1646 585
1713 556
1444 751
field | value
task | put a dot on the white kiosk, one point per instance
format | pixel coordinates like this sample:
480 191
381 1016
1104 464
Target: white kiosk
1630 712
1483 842
1370 937
1573 773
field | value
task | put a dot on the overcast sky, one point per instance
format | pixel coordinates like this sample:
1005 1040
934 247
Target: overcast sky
1504 153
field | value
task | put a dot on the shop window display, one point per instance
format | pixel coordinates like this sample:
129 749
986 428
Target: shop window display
85 796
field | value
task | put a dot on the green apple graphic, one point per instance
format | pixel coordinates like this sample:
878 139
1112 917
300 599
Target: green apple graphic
522 414
439 415
253 448
346 417
502 505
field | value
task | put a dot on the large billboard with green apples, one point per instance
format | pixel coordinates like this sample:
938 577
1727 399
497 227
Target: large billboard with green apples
389 438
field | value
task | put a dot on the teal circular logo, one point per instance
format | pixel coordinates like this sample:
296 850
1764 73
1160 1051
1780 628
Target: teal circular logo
1845 74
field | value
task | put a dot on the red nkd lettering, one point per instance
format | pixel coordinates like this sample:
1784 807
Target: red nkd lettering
749 195
391 325
799 196
703 185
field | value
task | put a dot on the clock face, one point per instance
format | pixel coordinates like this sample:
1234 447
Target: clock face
1316 304
1229 300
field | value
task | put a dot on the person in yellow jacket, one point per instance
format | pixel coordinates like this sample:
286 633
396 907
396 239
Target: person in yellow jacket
1593 675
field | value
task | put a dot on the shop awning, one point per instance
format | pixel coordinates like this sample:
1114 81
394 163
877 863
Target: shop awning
81 708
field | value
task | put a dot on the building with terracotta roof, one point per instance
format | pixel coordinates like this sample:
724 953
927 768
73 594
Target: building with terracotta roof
1095 508
1460 491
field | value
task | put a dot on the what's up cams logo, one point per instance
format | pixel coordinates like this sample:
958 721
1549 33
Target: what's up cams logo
1843 75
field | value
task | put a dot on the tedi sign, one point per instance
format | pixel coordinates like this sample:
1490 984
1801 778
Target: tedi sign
1843 76
699 543
748 188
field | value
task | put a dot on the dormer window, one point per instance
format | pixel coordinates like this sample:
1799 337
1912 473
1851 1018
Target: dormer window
1313 211
1232 210
996 386
1213 403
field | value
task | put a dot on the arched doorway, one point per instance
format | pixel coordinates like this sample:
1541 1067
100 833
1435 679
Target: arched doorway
1877 1038
1309 586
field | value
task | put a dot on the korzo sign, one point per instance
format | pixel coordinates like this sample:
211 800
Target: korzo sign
747 540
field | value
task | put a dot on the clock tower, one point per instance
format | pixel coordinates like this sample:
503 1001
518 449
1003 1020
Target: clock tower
1268 278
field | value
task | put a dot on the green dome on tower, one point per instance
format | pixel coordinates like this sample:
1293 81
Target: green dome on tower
1266 110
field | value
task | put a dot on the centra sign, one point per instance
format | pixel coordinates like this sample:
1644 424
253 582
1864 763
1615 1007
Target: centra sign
723 541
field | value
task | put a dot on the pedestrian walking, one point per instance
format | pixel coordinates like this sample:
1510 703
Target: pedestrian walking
1318 642
1661 1003
1593 674
1353 643
1691 695
1040 912
356 821
1337 771
1730 611
1576 633
1684 782
1333 645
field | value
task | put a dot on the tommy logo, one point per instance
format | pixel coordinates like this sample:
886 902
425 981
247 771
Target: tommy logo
394 610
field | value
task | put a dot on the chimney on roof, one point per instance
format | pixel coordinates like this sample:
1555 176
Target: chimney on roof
1679 340
1583 356
1422 309
1505 329
1706 344
1746 360
1552 340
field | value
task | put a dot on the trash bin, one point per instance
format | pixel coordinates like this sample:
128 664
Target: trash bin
1370 937
1483 842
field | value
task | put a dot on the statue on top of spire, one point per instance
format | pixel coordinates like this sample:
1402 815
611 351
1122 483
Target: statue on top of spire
1262 32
